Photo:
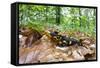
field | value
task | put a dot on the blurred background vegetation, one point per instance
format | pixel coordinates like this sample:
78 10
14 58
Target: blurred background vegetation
69 19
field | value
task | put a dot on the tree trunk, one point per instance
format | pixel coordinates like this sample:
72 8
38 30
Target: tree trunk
80 17
88 18
58 15
46 14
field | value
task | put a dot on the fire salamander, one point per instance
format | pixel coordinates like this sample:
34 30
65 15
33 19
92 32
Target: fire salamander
64 41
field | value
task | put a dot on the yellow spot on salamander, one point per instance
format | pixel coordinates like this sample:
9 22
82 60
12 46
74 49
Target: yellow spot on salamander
70 42
64 41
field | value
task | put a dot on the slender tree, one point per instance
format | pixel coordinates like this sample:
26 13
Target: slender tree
88 21
46 13
72 12
80 17
94 14
58 14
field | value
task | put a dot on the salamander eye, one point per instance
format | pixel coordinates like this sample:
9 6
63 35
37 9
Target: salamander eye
55 32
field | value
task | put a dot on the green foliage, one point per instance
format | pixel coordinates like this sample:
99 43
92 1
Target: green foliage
71 18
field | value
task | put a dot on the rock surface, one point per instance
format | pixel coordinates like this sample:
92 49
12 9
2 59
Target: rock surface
45 50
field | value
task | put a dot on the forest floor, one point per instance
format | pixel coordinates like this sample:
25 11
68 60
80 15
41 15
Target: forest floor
45 50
